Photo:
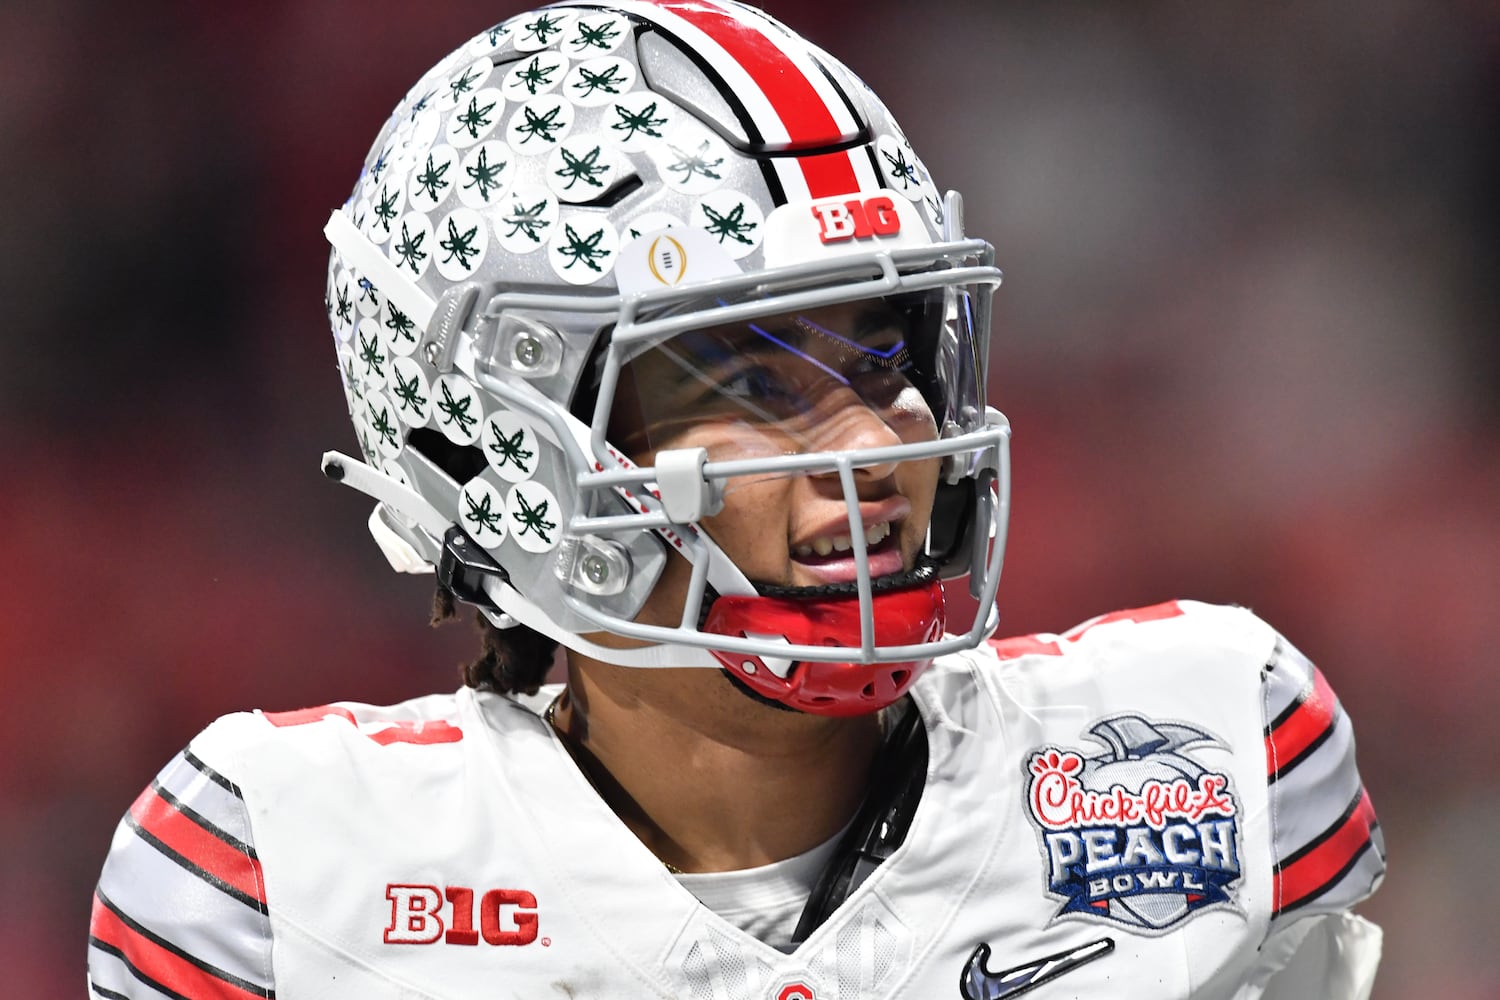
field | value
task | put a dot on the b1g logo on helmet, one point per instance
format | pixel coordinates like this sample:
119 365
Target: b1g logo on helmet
856 219
1142 834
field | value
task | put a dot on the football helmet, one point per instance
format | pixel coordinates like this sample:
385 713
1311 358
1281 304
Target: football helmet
568 242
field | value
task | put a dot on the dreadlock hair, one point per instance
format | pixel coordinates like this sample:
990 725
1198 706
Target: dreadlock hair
512 661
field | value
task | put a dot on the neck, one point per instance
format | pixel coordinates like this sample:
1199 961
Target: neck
707 778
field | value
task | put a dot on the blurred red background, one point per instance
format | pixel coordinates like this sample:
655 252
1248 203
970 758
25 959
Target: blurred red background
1248 341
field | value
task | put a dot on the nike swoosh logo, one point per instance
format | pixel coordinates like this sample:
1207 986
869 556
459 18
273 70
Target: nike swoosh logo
979 983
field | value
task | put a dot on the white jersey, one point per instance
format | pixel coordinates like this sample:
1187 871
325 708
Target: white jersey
1159 804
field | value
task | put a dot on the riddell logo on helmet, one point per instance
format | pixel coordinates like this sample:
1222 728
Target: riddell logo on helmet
506 916
856 219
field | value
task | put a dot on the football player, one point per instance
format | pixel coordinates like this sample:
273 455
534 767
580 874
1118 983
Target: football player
662 345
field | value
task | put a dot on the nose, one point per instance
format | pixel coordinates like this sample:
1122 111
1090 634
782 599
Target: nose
851 424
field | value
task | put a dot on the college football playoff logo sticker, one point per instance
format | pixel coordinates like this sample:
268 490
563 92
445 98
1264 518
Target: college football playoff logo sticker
1142 834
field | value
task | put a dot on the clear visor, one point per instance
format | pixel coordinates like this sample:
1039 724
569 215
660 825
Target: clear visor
846 377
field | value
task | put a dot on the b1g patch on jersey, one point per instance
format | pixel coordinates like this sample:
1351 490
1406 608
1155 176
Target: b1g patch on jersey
1142 834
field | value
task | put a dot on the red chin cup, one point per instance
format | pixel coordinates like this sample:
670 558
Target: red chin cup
902 618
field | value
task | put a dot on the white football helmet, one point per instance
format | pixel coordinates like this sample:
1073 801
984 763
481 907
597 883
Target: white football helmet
590 185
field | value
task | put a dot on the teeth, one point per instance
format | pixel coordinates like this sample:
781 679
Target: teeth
874 535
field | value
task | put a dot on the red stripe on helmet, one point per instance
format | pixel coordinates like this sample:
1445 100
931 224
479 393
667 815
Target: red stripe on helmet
802 110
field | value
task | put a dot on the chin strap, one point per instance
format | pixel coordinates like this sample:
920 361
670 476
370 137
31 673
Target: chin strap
903 617
405 502
897 778
370 261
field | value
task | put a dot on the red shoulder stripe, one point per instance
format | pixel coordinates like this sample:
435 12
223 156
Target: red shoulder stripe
1151 613
1313 870
161 965
1300 729
231 864
1022 645
422 732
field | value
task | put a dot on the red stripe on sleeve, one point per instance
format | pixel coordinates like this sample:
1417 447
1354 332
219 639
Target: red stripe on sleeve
1298 731
1315 869
164 821
159 963
809 123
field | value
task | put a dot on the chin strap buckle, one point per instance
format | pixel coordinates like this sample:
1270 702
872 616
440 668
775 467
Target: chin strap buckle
463 569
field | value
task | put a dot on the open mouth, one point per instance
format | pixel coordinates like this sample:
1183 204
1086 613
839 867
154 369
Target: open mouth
878 537
829 559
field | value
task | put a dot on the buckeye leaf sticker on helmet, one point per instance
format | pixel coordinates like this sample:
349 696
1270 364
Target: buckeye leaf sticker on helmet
410 392
526 220
595 35
581 169
481 513
540 74
583 249
510 446
540 124
598 81
463 239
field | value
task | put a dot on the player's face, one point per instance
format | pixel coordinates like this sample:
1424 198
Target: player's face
836 378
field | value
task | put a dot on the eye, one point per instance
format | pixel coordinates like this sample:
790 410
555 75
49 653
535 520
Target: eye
762 391
871 364
881 367
744 383
758 383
